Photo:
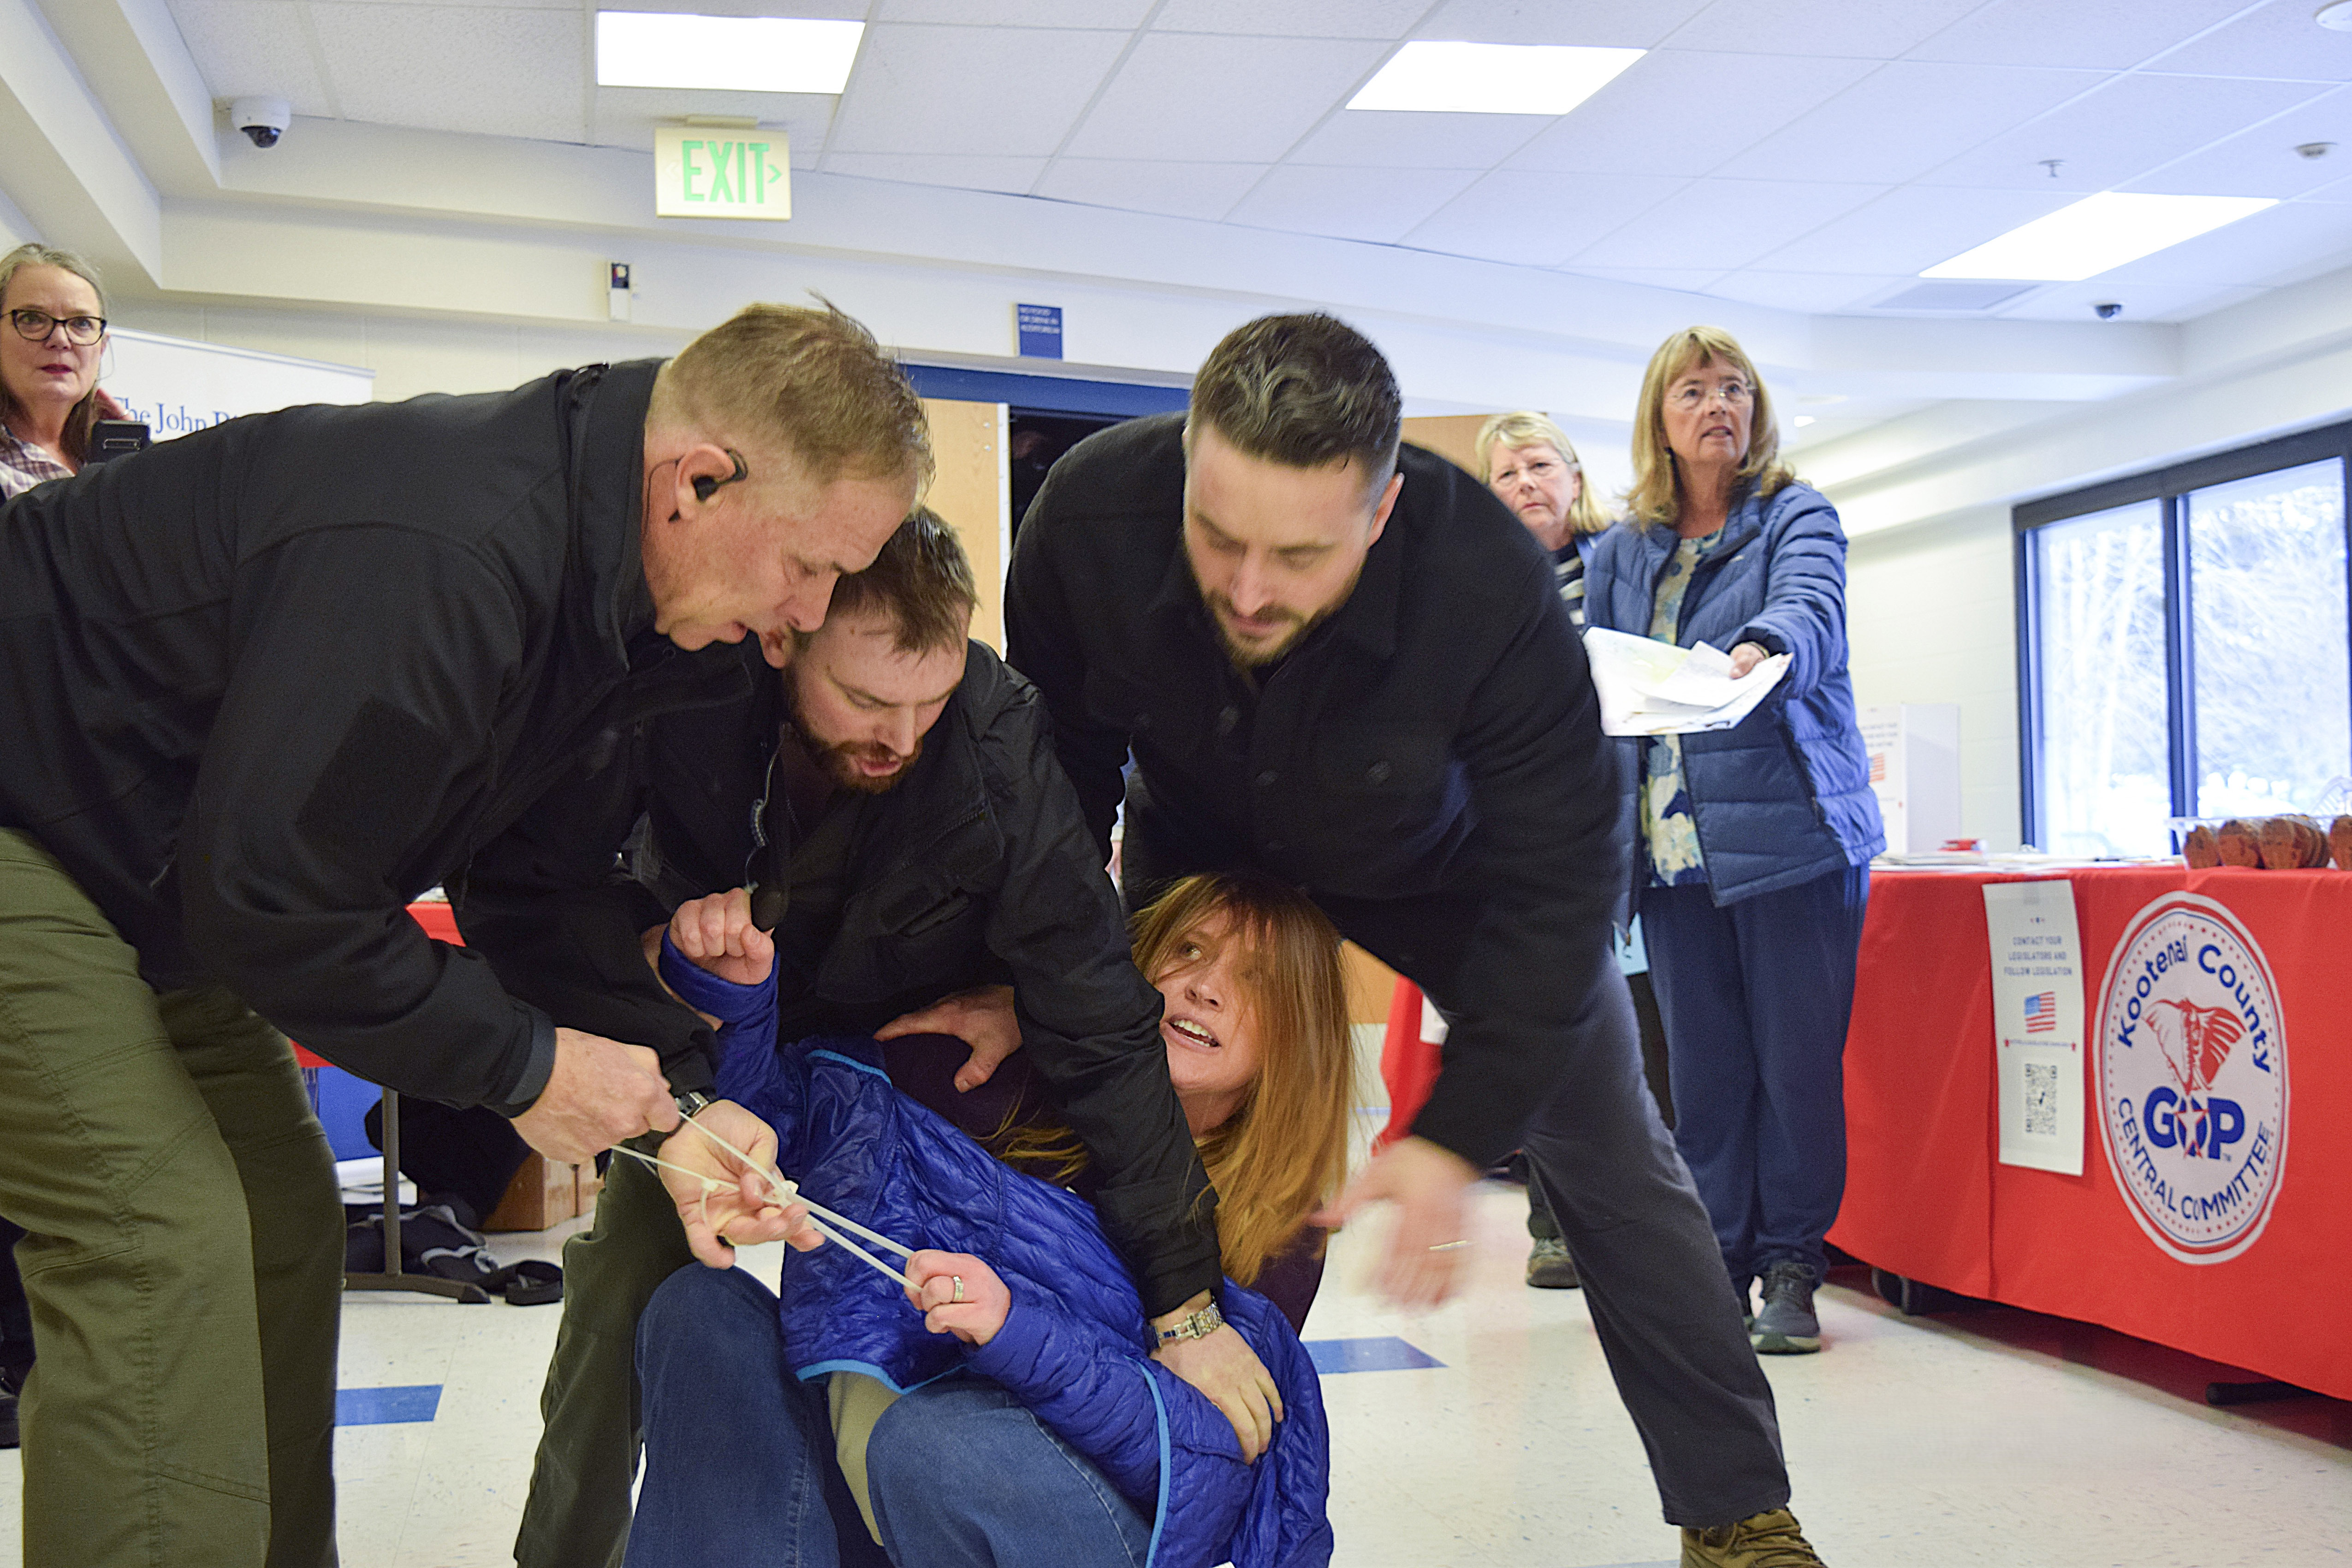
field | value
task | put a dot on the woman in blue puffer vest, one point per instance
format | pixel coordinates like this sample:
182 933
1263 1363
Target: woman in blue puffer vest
1752 845
1010 1411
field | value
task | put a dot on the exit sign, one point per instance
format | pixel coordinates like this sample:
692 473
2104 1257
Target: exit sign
699 172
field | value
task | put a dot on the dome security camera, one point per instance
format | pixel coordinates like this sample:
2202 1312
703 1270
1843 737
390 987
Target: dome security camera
2109 309
263 120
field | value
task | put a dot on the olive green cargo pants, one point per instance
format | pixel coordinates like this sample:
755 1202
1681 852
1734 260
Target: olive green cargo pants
182 1256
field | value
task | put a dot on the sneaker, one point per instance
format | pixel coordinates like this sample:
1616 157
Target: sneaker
1785 1325
1762 1541
1744 1289
1549 1267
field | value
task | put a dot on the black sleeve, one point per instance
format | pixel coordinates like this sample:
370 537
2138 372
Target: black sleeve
1042 642
1549 870
1089 1021
360 702
560 925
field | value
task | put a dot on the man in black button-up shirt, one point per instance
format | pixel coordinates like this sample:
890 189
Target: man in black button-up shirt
1344 663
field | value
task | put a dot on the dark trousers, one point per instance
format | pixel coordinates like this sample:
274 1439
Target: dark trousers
16 1317
1756 997
1640 1238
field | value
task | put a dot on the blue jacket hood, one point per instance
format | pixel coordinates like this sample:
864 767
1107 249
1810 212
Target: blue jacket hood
1784 796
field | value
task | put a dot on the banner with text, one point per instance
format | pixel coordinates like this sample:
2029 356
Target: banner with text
172 385
2037 1010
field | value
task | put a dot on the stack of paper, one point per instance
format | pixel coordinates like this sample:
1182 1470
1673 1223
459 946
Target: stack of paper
1650 688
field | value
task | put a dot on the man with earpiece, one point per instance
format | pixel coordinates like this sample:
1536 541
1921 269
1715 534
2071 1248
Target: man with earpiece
266 683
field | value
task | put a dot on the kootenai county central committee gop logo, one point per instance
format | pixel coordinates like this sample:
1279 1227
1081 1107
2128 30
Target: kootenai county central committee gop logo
2192 1079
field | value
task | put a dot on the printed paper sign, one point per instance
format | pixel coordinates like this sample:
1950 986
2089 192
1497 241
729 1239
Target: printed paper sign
2037 1010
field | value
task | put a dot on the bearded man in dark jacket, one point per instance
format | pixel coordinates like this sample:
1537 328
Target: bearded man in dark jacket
895 800
265 684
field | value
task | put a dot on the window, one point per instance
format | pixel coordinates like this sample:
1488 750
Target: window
2185 647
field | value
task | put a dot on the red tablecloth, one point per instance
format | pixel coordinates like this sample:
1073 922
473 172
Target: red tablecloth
439 923
1926 1197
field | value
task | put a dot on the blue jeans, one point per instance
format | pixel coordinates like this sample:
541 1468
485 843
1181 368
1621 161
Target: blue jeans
1756 996
740 1466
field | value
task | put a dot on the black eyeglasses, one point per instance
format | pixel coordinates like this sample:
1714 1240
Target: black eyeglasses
35 326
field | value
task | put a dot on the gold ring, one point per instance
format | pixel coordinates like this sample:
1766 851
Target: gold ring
958 1289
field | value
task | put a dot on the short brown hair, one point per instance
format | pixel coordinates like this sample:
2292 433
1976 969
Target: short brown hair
1529 428
922 580
1657 496
1307 391
811 379
82 414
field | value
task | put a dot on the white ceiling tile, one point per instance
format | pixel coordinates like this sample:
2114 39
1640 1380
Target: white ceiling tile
810 10
1135 185
2141 301
1296 18
2263 161
1805 291
1912 229
2095 33
1904 118
1378 204
1725 223
1376 138
1183 95
2125 128
1597 24
252 49
949 90
1124 15
1679 111
971 173
2283 244
627 116
1680 279
1538 219
456 67
2278 40
1869 29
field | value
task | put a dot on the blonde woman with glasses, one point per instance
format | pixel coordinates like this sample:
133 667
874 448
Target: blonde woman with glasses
1753 844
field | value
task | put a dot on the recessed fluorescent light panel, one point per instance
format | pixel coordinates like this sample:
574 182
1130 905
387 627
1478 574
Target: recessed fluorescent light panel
1492 78
725 54
2096 234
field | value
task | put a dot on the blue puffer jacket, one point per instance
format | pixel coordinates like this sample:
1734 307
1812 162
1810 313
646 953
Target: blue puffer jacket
1075 1347
1784 796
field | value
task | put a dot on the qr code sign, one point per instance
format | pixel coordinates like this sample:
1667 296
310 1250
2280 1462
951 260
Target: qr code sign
2040 1099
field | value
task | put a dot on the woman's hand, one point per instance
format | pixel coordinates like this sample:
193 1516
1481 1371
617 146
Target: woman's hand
1747 657
722 1201
986 1298
717 933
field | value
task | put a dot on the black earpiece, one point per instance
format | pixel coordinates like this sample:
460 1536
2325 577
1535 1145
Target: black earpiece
705 487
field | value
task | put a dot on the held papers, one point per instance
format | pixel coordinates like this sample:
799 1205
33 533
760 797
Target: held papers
2037 1010
1650 688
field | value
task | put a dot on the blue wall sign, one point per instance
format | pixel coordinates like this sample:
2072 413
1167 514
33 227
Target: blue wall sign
1039 328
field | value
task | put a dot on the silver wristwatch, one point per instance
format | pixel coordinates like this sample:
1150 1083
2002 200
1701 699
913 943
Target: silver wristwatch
692 1103
1198 1325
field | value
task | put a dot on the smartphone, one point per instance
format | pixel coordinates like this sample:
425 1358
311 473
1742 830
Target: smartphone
113 437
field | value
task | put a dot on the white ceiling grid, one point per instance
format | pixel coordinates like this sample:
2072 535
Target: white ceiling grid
1810 154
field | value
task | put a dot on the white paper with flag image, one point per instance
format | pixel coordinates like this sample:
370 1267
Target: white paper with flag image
2037 1011
1650 688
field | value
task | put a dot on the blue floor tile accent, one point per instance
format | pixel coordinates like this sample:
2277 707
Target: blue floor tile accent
1386 1353
384 1406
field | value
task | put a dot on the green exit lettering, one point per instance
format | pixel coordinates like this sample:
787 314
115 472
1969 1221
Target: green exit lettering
739 172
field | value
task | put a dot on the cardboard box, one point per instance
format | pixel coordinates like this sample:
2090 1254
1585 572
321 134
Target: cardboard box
542 1193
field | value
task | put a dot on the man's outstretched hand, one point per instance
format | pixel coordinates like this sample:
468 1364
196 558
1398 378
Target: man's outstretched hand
1229 1377
1426 1183
981 1018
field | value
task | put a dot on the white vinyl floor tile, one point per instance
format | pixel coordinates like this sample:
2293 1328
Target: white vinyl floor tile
1917 1442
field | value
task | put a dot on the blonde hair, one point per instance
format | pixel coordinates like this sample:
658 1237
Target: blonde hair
1657 496
1284 1150
811 380
1529 428
75 441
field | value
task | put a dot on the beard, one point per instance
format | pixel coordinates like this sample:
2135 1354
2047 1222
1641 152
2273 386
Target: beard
1247 656
839 761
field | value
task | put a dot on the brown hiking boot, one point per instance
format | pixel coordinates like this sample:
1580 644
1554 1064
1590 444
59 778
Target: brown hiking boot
1763 1541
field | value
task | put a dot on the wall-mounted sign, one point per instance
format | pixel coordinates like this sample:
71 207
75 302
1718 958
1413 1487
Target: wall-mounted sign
1039 330
700 172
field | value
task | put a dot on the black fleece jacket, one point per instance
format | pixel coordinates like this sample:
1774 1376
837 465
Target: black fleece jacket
268 681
